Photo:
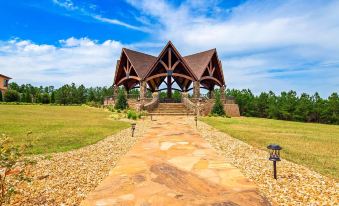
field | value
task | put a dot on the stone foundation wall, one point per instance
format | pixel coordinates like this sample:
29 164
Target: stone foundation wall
232 110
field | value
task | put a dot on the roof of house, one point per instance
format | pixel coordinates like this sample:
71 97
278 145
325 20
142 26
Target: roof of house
6 77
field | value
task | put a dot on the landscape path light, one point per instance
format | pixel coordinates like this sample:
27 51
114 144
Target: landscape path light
196 121
133 128
274 151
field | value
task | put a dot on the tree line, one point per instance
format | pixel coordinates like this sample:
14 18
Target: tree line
66 95
288 106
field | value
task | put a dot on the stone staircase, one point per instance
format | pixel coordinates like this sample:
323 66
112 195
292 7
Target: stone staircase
171 109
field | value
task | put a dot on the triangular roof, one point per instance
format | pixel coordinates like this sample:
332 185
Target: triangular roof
169 44
145 66
199 61
140 61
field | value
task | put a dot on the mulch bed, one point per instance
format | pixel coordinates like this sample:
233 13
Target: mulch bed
66 178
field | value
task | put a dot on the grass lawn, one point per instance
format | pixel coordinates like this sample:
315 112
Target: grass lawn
312 145
57 128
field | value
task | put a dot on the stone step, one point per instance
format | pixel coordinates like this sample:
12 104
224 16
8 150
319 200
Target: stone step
171 109
172 114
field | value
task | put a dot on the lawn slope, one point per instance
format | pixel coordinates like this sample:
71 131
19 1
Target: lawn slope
312 145
56 128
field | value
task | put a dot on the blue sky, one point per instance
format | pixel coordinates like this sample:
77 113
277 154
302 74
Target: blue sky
264 45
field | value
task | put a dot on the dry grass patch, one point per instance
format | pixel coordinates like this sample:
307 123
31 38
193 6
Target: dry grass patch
312 145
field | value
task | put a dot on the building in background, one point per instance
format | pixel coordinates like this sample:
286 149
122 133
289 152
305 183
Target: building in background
4 80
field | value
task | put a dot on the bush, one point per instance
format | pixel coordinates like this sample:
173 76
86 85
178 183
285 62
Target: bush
93 104
218 107
121 102
0 96
111 108
12 96
133 115
45 98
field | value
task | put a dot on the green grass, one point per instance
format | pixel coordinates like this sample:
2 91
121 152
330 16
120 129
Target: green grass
312 145
56 128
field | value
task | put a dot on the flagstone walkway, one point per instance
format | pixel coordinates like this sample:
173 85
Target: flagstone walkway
173 165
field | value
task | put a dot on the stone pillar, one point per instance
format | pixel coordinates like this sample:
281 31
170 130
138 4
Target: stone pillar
196 89
143 88
115 91
222 92
211 94
184 94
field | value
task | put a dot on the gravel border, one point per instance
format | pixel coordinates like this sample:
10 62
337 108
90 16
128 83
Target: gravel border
66 178
296 184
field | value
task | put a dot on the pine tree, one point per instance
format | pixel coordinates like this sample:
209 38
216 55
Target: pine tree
218 107
121 102
53 97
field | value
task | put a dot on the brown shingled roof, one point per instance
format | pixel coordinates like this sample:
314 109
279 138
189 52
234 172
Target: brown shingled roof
199 61
140 61
6 77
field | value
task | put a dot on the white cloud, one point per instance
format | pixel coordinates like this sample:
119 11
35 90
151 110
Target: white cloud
70 6
257 36
82 61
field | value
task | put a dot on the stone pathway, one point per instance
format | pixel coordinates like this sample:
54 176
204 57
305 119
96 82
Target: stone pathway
173 165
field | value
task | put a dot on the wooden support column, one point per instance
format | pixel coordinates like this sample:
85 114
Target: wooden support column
169 86
196 89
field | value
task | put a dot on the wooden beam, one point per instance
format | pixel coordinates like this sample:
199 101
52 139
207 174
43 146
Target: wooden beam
211 78
173 74
156 76
153 84
175 65
125 78
169 58
183 76
163 63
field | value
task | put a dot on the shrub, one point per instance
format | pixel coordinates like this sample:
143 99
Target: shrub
45 98
133 115
121 102
218 107
0 96
93 104
12 96
111 108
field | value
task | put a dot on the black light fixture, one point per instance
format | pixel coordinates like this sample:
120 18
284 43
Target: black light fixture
196 121
151 117
274 151
133 128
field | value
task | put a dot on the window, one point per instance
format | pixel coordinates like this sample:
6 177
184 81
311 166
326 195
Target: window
6 83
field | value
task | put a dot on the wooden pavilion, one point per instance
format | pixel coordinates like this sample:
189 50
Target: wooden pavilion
202 70
192 72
